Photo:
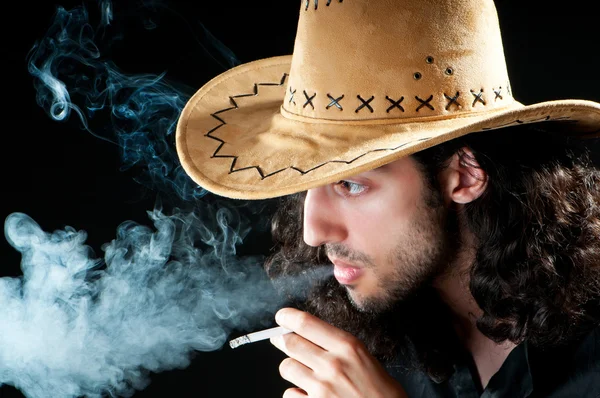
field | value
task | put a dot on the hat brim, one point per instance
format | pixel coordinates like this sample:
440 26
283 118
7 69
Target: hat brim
235 139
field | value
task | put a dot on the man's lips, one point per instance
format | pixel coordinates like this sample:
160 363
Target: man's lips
344 272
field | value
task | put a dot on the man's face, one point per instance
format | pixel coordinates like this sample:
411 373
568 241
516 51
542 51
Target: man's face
384 231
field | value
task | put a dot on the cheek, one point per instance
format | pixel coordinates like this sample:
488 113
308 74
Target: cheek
373 232
378 226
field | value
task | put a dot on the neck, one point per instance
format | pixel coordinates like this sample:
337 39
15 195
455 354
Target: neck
453 288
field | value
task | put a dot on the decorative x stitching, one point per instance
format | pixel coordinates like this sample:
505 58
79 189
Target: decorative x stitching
308 99
364 103
395 104
308 3
498 93
477 97
335 101
292 96
424 102
317 3
452 100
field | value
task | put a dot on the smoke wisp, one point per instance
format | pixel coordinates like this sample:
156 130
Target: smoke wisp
73 74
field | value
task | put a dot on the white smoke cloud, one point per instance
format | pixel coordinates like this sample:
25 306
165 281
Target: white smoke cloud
79 325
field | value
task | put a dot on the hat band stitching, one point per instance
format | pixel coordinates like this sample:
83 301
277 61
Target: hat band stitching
364 103
477 97
317 4
498 93
288 114
452 100
395 104
335 102
425 102
309 99
291 101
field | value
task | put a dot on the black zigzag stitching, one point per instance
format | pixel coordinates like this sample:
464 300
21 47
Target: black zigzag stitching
234 158
566 119
222 142
302 172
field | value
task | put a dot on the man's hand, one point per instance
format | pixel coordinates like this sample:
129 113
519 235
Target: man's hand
327 362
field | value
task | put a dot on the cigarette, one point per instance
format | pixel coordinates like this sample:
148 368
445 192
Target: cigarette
258 336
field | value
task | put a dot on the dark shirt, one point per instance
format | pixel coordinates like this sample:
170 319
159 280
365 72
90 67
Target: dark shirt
528 372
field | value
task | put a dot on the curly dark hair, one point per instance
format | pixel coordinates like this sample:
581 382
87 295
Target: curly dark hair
536 274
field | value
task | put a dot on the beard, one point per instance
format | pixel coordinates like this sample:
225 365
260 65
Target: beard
406 320
418 259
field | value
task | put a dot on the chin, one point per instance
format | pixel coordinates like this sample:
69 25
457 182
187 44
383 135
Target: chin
357 300
368 304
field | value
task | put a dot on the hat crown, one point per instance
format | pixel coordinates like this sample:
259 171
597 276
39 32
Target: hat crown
382 59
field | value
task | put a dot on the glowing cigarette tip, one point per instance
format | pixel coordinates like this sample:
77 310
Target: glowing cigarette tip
258 336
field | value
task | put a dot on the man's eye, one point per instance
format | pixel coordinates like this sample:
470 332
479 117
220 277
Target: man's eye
348 188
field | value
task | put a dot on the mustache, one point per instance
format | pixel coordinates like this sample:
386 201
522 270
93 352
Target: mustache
344 253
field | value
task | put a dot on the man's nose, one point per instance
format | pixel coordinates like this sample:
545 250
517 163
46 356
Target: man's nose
322 223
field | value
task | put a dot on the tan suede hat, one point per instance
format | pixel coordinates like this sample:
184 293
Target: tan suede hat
369 81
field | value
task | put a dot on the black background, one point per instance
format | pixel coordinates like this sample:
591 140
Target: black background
61 175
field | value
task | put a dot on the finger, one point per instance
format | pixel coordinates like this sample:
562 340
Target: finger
302 350
313 329
297 374
294 393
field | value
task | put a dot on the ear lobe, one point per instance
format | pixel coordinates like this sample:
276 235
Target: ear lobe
465 180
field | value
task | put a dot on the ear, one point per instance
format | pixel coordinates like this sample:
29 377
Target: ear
463 181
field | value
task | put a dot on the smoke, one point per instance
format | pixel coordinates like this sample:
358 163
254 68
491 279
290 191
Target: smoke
136 112
81 324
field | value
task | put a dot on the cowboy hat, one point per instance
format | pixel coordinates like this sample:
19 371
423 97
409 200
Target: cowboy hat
368 82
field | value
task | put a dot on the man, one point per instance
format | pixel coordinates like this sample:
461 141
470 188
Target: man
437 247
463 227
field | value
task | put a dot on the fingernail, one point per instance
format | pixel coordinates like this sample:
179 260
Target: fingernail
276 340
280 316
